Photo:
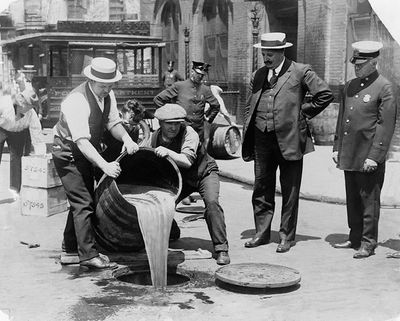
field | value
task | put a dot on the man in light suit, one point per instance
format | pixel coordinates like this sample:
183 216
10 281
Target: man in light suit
275 133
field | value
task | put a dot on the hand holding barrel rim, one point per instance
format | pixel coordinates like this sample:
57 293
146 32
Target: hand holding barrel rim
112 169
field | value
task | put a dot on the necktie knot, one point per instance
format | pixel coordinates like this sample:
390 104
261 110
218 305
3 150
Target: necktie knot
274 78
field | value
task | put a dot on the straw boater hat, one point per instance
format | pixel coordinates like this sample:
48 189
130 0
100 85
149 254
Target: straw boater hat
273 40
170 113
102 70
364 51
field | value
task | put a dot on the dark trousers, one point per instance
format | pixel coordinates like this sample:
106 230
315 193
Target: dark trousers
77 177
267 159
363 191
19 144
208 188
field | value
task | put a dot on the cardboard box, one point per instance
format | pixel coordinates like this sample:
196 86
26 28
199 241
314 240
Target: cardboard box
43 201
39 171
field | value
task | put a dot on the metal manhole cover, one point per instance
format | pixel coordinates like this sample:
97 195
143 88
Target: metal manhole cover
258 275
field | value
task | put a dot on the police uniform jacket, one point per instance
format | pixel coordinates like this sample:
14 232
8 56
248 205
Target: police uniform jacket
193 98
289 112
366 122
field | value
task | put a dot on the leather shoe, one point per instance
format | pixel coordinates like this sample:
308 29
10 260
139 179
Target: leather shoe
345 245
98 263
223 258
283 247
363 252
255 241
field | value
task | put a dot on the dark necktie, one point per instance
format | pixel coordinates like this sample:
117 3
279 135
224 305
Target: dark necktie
273 79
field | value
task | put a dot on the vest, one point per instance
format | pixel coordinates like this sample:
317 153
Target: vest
202 166
97 121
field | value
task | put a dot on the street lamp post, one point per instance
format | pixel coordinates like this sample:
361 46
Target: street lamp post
186 33
255 20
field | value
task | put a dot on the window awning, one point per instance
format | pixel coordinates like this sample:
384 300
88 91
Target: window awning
115 44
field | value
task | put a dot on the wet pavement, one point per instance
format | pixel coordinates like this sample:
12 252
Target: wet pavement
333 286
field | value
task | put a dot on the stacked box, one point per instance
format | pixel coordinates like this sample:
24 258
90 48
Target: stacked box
42 193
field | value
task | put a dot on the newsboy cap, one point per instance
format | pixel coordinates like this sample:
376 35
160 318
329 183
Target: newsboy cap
365 50
200 67
170 113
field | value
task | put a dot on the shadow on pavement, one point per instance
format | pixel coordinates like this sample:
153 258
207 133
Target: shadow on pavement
336 238
391 244
256 291
247 234
191 243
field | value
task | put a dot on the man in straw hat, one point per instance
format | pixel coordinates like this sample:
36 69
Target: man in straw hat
275 134
85 113
365 127
199 171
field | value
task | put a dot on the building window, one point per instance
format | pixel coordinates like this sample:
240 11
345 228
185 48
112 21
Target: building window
216 54
117 10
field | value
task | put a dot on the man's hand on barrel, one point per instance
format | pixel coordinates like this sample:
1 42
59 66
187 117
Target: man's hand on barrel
161 151
129 145
112 169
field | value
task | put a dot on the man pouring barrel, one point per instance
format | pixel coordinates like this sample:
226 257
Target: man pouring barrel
199 171
86 112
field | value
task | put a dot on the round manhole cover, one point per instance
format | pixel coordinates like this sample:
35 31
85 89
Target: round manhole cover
258 275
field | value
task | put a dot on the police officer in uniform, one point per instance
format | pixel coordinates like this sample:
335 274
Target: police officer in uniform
364 130
192 95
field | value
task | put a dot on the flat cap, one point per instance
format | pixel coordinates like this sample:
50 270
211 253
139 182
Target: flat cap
365 50
170 113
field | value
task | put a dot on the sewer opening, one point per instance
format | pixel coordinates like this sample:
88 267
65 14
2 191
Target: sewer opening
144 278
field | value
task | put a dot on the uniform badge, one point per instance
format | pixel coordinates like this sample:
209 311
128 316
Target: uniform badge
367 98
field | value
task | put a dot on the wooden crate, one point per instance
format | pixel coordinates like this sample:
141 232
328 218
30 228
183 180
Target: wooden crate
39 171
43 201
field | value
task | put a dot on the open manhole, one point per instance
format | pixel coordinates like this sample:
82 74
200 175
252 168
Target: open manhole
143 278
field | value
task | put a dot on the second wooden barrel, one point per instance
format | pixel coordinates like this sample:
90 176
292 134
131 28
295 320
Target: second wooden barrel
225 141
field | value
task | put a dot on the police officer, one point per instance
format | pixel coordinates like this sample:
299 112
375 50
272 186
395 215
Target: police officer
364 130
171 75
192 94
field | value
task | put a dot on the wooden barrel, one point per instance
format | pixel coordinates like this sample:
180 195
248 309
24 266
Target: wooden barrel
225 141
323 126
116 226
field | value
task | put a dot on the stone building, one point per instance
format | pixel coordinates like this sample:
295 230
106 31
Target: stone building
222 33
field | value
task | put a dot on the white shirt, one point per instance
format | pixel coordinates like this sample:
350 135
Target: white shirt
76 110
277 70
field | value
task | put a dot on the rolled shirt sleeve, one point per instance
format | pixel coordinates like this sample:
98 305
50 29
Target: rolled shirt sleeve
190 144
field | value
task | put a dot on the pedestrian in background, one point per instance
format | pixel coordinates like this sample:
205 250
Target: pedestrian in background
364 130
19 127
171 75
199 171
276 134
86 112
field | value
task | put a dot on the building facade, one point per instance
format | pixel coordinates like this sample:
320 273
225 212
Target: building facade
222 32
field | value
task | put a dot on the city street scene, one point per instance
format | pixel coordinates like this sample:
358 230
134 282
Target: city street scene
188 160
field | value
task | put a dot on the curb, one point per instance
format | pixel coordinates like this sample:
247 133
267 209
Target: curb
304 196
